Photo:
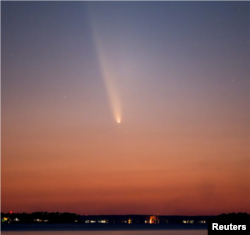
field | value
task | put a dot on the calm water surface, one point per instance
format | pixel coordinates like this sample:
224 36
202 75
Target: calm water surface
154 232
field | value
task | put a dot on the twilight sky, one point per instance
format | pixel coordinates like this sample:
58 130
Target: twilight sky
174 74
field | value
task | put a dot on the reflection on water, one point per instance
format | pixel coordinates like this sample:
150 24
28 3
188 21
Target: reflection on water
161 232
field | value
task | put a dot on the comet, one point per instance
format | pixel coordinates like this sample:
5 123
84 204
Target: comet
112 89
108 74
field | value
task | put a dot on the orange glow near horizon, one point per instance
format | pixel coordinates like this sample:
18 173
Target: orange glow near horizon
99 184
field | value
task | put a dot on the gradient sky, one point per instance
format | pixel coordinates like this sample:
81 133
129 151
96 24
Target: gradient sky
176 76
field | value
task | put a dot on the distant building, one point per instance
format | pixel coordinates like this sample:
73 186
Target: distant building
202 222
188 221
38 220
153 219
102 221
5 219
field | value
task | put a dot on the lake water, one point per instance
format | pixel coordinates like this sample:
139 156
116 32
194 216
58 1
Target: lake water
152 232
102 229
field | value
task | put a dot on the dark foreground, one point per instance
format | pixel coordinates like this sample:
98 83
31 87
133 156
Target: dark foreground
100 227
